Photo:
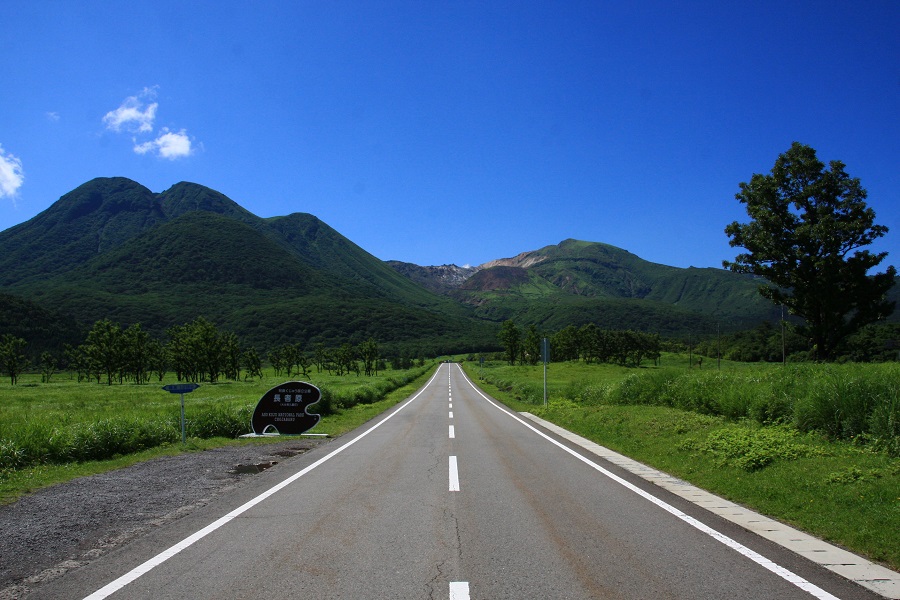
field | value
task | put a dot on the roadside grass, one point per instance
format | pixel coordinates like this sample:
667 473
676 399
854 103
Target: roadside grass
846 491
40 419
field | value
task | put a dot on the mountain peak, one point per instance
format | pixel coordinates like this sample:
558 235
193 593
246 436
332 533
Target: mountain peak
184 197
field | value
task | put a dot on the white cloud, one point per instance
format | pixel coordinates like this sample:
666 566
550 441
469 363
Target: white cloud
52 116
11 175
168 145
134 114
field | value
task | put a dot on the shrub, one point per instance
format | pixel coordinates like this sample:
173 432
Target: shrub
753 449
220 421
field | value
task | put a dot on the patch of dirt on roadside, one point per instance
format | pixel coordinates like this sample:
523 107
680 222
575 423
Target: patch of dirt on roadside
64 527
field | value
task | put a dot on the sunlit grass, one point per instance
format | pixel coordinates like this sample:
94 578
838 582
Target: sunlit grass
50 432
846 491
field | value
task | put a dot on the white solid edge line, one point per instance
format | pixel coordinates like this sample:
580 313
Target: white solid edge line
165 555
459 590
759 559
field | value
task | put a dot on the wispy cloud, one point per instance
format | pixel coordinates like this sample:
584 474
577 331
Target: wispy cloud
170 145
11 175
52 116
135 113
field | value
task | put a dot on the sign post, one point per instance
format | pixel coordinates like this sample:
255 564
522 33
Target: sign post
181 388
545 357
284 409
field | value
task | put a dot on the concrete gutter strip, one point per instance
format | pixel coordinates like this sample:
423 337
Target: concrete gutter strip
877 578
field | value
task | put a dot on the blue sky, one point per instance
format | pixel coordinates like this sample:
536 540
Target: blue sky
454 132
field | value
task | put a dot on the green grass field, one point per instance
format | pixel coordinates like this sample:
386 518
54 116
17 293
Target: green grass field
64 429
699 426
779 441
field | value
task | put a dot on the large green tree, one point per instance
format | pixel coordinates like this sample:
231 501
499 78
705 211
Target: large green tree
808 225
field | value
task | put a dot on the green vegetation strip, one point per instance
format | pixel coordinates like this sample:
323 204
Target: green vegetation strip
846 491
50 433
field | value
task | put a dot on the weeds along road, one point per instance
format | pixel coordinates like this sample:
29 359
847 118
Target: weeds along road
450 495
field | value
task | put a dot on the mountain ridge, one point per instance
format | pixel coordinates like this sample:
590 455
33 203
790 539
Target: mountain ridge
111 248
188 251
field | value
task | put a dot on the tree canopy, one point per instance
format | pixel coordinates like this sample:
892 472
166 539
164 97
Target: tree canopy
808 226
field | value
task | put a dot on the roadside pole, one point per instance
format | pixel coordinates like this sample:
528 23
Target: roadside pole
545 356
182 388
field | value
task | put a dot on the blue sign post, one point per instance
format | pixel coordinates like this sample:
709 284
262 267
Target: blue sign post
181 388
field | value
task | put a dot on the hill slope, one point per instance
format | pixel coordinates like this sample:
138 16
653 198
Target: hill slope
576 282
113 249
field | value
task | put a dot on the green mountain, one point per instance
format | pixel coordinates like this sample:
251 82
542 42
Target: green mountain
576 282
113 249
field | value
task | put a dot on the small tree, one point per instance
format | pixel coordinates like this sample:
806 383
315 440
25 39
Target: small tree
136 353
231 352
531 346
48 366
807 226
159 359
368 351
104 348
511 338
12 359
253 363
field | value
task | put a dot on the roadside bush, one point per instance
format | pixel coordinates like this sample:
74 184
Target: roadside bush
587 392
219 421
529 393
840 400
753 449
651 387
884 424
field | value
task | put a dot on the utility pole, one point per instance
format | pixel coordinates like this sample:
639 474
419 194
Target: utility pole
783 348
545 355
691 350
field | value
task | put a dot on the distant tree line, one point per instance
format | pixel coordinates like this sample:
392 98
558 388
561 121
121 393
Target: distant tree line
770 343
196 352
589 343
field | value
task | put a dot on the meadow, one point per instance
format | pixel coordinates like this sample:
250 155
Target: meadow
51 432
815 446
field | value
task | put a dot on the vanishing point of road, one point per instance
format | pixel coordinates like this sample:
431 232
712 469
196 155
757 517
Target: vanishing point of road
449 495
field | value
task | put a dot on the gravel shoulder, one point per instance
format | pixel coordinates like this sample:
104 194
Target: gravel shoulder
64 527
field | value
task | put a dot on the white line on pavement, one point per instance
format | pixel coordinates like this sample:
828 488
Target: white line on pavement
762 561
459 590
454 475
165 555
452 432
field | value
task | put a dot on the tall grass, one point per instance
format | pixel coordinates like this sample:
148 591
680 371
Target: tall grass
858 402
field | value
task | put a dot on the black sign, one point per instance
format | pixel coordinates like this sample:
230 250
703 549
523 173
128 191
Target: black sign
284 409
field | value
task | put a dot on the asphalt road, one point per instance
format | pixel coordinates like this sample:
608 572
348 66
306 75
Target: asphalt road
450 495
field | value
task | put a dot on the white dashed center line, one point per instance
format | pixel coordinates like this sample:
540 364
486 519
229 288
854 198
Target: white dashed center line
459 590
454 475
